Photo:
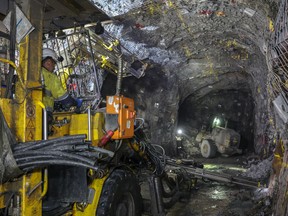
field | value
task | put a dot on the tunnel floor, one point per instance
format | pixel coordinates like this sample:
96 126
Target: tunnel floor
211 198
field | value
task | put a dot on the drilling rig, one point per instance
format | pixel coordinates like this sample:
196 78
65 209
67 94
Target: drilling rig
67 167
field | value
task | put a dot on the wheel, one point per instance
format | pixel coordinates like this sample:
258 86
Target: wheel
208 149
120 195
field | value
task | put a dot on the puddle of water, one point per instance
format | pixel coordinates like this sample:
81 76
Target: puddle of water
219 194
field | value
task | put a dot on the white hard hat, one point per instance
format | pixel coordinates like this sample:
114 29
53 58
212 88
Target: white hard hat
47 52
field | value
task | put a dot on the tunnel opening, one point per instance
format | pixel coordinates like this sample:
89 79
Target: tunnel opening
234 109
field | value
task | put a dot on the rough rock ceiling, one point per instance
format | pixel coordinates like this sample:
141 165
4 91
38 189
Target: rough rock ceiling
194 39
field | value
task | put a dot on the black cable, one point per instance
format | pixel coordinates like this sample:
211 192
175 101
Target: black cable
67 150
141 124
34 155
25 166
21 161
42 143
59 139
155 157
95 155
67 147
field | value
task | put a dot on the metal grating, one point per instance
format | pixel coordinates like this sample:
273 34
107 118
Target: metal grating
77 71
4 67
278 54
277 57
87 58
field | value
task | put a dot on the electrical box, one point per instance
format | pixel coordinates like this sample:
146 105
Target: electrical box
124 108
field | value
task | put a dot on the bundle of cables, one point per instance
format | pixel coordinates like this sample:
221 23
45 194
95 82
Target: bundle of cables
155 153
68 150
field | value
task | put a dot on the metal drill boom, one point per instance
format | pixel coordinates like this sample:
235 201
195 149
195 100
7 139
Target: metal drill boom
201 173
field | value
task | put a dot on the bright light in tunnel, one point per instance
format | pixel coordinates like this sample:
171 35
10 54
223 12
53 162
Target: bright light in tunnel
216 122
179 131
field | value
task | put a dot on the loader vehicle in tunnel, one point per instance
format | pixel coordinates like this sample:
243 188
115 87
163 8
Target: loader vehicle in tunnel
89 160
221 139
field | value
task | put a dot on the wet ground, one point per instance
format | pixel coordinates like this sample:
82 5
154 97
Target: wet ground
215 198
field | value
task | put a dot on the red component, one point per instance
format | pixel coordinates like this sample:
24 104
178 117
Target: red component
106 138
72 87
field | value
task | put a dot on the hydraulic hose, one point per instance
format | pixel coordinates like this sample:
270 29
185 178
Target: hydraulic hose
68 150
26 145
35 155
28 166
50 145
119 75
67 147
94 155
42 143
103 151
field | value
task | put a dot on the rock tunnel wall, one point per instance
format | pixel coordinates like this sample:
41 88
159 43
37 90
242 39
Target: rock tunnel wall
248 75
157 102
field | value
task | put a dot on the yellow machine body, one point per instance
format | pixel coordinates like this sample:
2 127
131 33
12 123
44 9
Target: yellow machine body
23 115
91 208
72 124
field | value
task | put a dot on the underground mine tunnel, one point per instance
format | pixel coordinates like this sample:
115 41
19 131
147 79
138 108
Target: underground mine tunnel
134 107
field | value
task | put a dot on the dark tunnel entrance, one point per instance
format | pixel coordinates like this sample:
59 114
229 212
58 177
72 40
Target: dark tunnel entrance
233 107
